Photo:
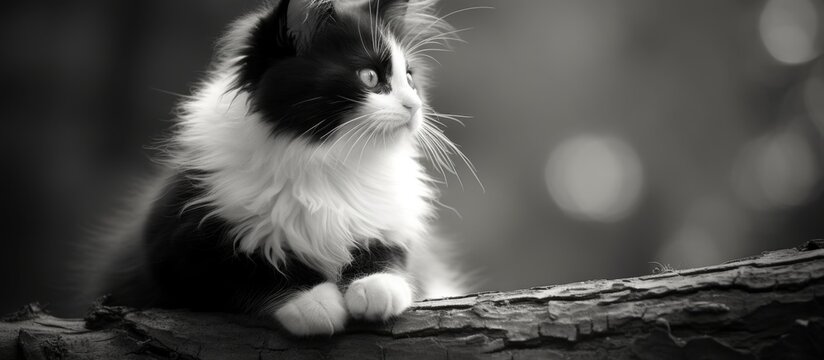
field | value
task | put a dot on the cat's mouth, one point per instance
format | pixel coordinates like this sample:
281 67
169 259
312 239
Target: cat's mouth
402 121
398 121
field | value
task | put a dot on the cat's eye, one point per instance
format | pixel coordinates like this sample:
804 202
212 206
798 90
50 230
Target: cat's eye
368 77
410 80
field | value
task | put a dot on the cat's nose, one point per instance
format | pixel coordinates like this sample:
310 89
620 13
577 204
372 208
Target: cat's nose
412 105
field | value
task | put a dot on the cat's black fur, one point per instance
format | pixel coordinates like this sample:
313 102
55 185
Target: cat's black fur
192 262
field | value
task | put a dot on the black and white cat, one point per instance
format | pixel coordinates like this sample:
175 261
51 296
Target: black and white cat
293 187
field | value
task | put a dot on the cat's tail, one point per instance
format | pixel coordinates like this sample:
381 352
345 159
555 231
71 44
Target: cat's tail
110 260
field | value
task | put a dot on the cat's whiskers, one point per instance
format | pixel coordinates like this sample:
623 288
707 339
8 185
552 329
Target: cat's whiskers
456 150
439 39
313 127
307 100
438 22
435 120
335 113
360 35
373 20
446 157
353 100
430 144
364 129
373 128
445 114
329 149
456 118
383 135
430 58
441 19
346 123
441 149
439 158
352 131
444 152
429 154
167 92
325 138
424 51
372 133
338 129
362 133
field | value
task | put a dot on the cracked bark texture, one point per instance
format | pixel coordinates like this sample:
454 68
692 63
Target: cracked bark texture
765 307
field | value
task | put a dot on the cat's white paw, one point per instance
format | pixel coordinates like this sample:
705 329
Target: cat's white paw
318 311
378 297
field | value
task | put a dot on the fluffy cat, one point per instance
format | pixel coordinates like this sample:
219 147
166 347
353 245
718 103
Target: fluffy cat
293 186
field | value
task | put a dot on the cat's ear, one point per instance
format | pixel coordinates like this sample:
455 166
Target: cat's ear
305 18
281 32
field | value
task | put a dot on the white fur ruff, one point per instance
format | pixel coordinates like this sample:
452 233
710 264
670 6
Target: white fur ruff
285 194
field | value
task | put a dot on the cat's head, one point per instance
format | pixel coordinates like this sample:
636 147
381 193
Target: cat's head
324 70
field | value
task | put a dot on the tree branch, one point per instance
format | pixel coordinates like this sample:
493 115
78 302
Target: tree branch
768 306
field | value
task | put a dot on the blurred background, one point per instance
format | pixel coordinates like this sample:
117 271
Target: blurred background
608 134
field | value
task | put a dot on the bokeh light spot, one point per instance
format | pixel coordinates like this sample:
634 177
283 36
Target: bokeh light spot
595 178
776 171
712 229
789 29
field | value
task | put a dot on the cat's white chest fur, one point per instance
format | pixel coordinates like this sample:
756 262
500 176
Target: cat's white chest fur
288 195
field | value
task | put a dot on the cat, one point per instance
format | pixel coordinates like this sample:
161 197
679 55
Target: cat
292 186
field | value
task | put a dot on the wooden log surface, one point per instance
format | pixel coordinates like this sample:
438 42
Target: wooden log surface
764 307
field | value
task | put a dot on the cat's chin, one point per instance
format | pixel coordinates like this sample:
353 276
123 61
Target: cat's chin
413 125
405 127
408 129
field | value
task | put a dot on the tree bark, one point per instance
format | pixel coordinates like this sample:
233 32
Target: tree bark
768 306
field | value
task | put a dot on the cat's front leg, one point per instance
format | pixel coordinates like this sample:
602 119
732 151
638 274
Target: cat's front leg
317 311
376 288
378 296
377 285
